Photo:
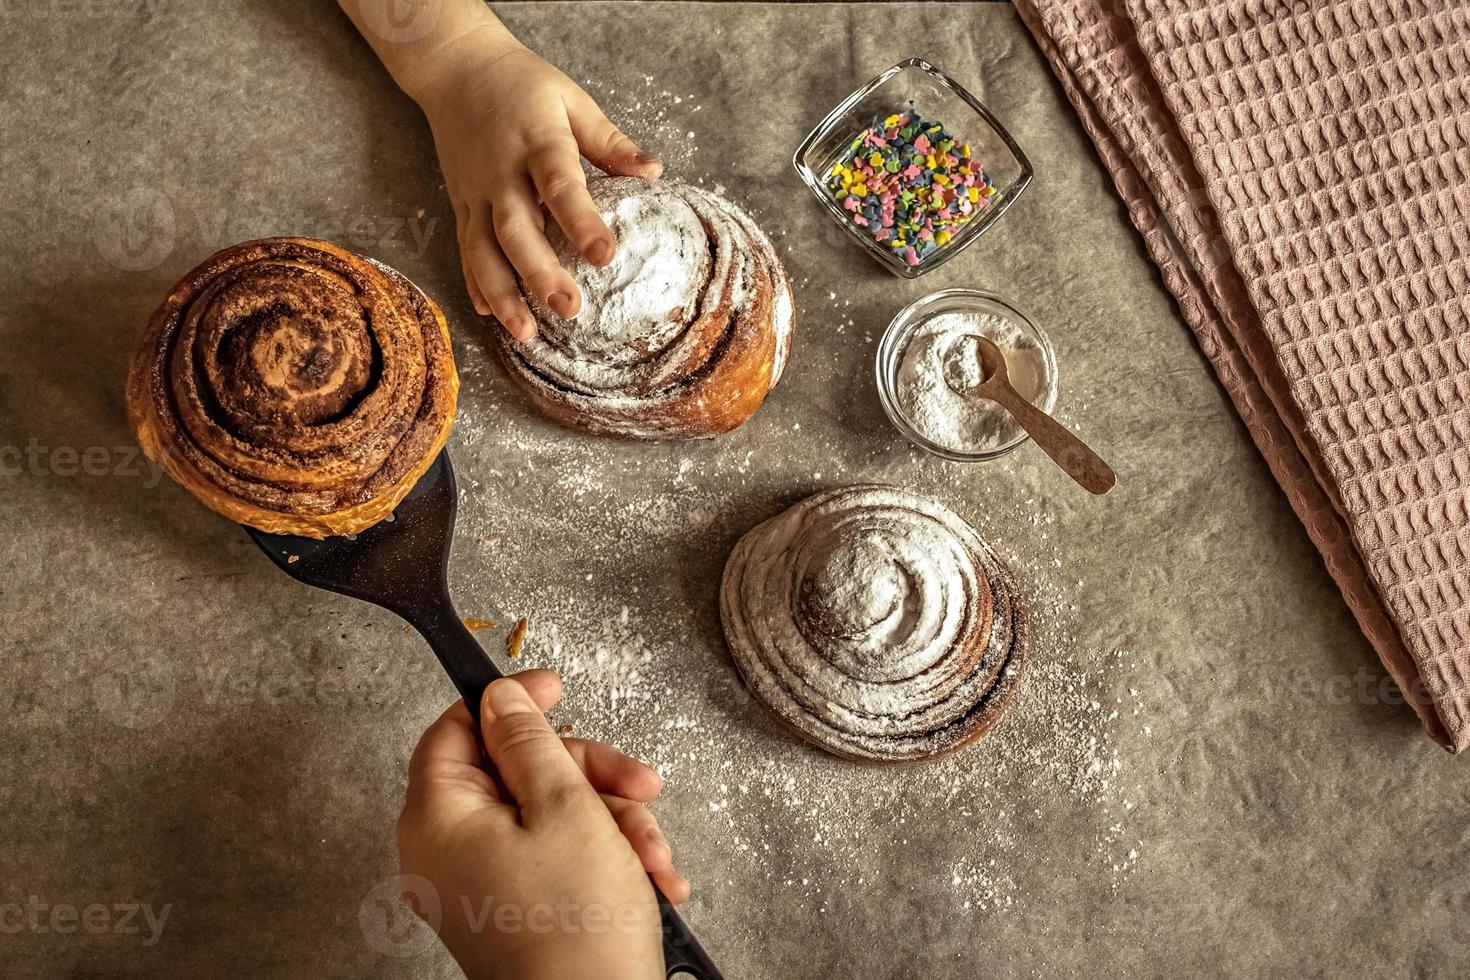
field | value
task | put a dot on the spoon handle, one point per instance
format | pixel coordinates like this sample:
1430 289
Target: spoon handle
1057 441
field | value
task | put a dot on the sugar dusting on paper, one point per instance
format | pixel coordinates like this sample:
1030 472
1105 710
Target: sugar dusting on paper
645 668
627 542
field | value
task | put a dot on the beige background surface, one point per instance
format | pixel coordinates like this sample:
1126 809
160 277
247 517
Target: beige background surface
1205 770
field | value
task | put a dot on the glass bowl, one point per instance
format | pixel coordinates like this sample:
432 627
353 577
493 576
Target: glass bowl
936 96
895 344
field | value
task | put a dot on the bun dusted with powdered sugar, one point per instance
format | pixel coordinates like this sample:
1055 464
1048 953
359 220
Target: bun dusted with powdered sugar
681 335
875 623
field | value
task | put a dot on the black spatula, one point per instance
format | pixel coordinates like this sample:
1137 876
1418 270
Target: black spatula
402 565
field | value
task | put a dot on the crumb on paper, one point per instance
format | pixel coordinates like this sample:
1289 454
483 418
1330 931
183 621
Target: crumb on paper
516 638
475 624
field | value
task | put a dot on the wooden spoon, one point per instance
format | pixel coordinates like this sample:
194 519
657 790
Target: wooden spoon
1065 449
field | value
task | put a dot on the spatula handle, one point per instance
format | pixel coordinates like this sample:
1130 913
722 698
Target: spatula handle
463 659
682 952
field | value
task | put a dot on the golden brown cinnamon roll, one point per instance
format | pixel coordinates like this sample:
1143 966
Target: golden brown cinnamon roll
294 386
682 335
876 623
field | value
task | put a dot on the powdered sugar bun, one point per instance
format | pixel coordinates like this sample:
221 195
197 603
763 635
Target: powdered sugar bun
875 622
682 335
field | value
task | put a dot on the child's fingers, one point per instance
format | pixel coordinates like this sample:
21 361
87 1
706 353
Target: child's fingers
519 229
637 823
605 146
451 738
556 170
486 267
448 758
543 685
610 771
531 760
477 298
674 885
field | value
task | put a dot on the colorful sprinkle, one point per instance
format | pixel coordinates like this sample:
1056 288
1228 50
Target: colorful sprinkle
910 184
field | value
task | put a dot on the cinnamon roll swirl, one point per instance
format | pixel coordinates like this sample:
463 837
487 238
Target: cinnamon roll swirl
876 623
295 387
682 335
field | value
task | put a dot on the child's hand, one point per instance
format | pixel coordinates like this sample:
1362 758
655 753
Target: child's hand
537 875
511 131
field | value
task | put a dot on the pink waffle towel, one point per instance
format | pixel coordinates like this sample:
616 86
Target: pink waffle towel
1300 171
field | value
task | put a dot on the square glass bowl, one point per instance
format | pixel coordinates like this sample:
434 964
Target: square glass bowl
938 97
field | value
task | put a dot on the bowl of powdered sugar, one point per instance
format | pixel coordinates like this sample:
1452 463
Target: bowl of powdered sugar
929 367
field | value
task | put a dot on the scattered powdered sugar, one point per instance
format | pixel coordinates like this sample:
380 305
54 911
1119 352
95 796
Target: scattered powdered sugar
627 612
940 368
657 119
614 552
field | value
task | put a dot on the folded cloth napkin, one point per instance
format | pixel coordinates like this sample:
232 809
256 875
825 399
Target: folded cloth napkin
1300 171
